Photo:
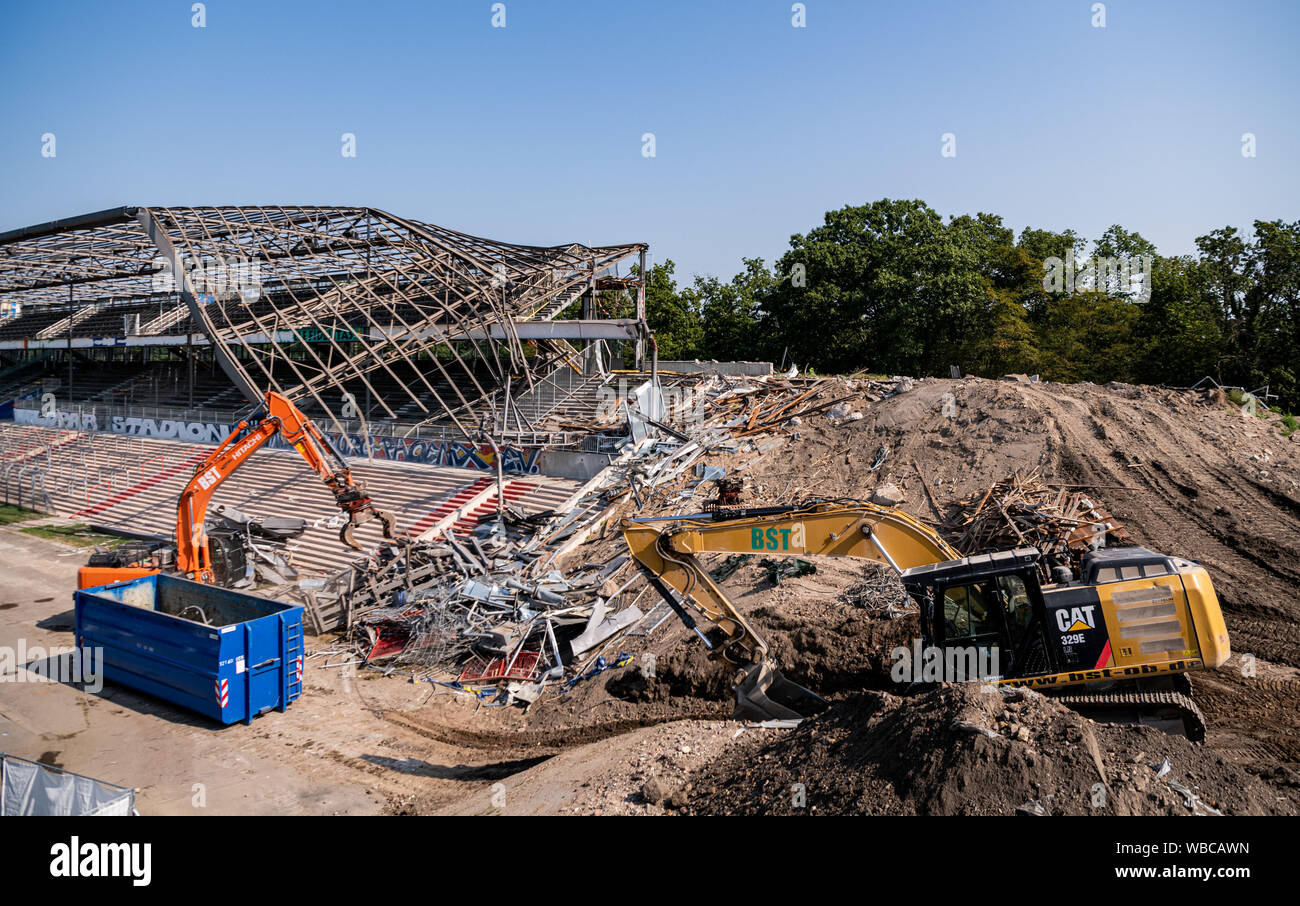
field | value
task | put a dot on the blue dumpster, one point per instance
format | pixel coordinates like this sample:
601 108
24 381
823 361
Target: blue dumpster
223 653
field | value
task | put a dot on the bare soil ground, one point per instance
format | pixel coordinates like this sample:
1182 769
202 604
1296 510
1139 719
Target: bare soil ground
960 750
1185 472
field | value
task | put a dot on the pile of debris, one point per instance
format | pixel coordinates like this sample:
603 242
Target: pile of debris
749 407
464 608
489 612
881 594
485 613
969 749
1022 511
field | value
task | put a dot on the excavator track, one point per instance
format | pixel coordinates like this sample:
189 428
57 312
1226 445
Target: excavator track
1193 719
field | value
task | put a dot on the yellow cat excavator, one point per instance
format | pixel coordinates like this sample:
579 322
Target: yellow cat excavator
1113 638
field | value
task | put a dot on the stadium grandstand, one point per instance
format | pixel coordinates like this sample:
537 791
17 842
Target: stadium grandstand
372 323
445 365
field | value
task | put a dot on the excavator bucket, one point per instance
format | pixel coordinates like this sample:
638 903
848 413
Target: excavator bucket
763 693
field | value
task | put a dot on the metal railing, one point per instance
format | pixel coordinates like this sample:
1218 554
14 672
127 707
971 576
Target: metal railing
43 460
34 474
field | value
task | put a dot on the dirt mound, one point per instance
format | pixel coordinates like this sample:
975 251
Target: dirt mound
834 649
1185 474
816 628
961 750
686 672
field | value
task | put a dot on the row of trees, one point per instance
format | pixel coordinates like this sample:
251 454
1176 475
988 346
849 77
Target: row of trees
892 287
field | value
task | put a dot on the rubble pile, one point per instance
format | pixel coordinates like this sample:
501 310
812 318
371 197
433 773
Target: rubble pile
1022 511
476 617
967 749
881 594
750 407
489 611
485 612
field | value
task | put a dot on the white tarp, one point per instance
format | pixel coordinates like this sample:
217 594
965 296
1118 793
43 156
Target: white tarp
31 788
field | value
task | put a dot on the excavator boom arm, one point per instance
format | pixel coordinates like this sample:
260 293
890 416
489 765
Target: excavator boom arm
279 416
668 551
1056 624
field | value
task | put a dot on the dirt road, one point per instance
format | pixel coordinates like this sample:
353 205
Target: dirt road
330 753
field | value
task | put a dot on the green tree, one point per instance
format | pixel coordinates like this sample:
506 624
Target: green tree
1088 336
1039 247
1224 281
890 286
731 311
1178 333
884 286
1001 338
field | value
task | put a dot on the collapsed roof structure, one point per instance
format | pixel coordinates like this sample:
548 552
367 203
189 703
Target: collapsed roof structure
322 303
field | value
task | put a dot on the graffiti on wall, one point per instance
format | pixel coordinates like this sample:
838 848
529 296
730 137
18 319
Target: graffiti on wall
456 454
74 421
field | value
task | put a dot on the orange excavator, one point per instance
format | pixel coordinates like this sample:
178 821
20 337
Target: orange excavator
193 552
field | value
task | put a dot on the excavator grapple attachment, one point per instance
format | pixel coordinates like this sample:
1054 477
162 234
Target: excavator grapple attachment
390 524
278 417
347 536
763 693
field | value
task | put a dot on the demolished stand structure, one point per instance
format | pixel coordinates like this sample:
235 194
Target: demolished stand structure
487 610
356 315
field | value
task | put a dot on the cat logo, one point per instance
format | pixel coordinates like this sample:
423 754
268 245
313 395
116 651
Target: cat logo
1075 619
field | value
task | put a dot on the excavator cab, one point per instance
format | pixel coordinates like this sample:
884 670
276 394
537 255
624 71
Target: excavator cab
984 613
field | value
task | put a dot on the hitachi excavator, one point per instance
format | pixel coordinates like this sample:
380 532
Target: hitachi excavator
1112 639
194 551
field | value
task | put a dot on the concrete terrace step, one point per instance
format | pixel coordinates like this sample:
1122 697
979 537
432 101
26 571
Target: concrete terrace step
513 492
25 447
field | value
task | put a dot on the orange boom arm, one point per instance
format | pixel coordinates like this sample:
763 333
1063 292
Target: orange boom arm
278 416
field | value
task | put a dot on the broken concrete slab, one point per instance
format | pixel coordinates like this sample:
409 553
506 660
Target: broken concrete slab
888 494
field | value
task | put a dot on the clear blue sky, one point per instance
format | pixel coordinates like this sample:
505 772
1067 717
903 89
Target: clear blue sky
532 133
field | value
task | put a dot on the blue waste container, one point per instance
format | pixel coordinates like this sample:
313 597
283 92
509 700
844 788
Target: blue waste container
223 653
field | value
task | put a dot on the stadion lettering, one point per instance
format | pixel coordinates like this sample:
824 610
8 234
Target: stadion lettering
456 454
169 429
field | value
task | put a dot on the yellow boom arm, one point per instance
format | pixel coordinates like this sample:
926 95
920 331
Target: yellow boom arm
668 549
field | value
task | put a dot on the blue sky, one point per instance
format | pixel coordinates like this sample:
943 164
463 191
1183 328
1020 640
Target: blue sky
532 133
